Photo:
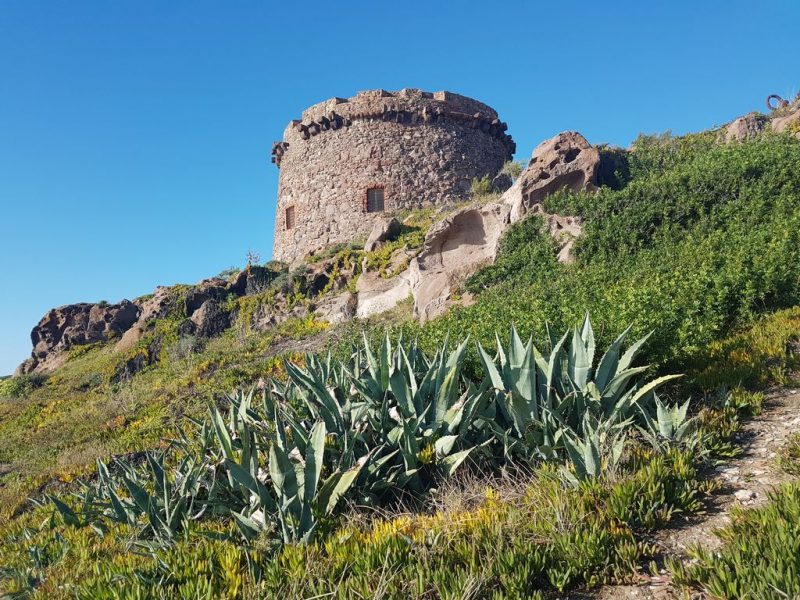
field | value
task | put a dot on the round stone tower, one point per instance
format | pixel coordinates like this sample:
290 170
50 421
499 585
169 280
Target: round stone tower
349 162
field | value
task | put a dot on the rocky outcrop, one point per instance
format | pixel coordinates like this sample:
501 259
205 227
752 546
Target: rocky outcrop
377 293
75 325
746 127
454 249
564 161
383 231
462 243
787 119
501 182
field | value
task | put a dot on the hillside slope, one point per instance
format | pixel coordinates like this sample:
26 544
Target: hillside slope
694 238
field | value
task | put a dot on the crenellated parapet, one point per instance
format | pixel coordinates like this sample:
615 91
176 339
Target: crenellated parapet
407 107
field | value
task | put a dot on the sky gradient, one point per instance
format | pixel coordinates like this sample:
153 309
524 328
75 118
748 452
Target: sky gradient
135 136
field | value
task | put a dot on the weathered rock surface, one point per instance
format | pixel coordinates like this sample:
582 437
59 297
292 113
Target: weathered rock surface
454 249
564 161
337 308
501 182
746 127
462 243
141 359
383 231
788 119
209 320
377 294
74 325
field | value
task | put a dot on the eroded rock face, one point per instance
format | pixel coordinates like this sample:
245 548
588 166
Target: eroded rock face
383 231
74 325
461 244
454 249
746 127
564 161
788 119
376 293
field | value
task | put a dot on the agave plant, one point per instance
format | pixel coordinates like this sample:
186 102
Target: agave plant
301 494
408 413
541 399
156 498
670 424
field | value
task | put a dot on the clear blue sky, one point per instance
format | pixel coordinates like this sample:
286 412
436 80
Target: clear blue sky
135 136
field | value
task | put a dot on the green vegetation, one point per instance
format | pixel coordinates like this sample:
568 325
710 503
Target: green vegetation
761 555
383 425
702 239
419 470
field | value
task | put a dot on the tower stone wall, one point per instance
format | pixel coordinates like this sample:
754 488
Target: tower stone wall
411 148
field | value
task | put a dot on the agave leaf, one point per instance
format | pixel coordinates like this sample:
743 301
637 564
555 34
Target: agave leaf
386 352
140 497
491 369
282 472
222 433
631 352
336 486
607 368
587 335
650 386
449 387
552 365
449 464
246 479
402 394
619 383
579 361
314 460
122 514
249 528
69 516
664 417
444 445
372 363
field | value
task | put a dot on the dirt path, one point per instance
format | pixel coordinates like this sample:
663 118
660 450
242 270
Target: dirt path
746 480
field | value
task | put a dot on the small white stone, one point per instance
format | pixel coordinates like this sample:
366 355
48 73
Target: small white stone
744 495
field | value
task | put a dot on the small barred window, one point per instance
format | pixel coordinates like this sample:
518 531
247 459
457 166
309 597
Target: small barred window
375 200
290 217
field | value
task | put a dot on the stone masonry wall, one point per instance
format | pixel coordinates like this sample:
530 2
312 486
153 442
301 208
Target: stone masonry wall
421 148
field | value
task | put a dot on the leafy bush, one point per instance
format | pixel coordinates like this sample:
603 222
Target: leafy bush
701 240
22 385
481 186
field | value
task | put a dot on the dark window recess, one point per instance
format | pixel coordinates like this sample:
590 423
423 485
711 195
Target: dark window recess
375 200
290 217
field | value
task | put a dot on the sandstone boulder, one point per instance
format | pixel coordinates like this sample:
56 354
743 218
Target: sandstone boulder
746 127
454 249
564 230
337 308
209 320
462 243
564 161
377 293
141 359
383 231
252 280
788 119
75 325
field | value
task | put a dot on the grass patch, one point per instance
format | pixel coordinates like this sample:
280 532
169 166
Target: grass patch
761 555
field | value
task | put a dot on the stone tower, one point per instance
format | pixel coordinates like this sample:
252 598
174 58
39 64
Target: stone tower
349 162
